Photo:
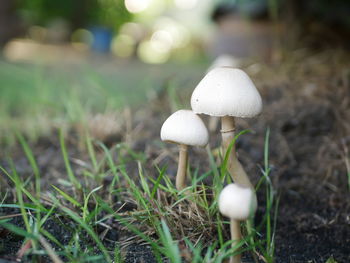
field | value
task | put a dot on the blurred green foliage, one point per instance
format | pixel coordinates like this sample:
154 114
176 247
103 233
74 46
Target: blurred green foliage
110 13
78 13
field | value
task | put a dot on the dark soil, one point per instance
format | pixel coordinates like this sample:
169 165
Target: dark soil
307 108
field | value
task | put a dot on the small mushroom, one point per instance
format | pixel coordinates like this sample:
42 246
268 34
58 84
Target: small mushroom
227 93
184 128
237 203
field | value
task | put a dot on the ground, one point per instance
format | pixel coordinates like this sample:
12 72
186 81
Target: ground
307 114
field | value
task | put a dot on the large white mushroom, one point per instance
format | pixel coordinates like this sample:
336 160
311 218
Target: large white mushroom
237 203
184 128
227 93
224 60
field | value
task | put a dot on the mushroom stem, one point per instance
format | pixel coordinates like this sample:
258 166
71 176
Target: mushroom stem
182 166
234 167
236 237
213 123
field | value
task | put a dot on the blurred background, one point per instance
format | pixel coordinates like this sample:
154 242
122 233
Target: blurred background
158 31
62 58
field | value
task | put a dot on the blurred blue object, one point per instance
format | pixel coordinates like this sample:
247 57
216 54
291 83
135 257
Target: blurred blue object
102 38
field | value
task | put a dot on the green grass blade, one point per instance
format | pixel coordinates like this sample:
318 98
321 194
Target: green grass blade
266 150
30 156
86 201
18 187
219 227
26 206
212 162
171 250
91 152
157 182
70 173
26 192
89 230
17 230
229 150
67 196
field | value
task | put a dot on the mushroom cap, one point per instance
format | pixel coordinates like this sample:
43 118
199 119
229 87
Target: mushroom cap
224 60
237 202
226 91
185 127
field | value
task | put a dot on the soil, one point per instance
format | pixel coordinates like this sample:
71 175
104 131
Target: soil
307 109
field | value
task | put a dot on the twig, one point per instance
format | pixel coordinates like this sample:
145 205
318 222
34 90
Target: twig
9 216
25 247
49 250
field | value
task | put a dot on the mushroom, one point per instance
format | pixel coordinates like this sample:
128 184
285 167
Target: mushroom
227 93
184 128
237 203
224 60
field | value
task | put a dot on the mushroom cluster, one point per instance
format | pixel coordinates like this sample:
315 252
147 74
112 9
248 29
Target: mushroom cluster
224 92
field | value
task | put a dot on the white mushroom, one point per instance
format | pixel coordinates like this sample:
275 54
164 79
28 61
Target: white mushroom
224 60
237 203
184 127
227 93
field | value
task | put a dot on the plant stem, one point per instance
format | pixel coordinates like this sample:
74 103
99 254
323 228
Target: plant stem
236 237
234 167
182 166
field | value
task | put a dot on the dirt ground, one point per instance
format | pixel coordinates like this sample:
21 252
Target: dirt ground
307 108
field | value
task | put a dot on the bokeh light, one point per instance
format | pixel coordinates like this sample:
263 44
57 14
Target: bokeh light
186 4
123 45
179 33
162 40
148 53
82 39
134 30
137 6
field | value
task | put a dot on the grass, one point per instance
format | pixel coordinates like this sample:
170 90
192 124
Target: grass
142 204
34 97
175 225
